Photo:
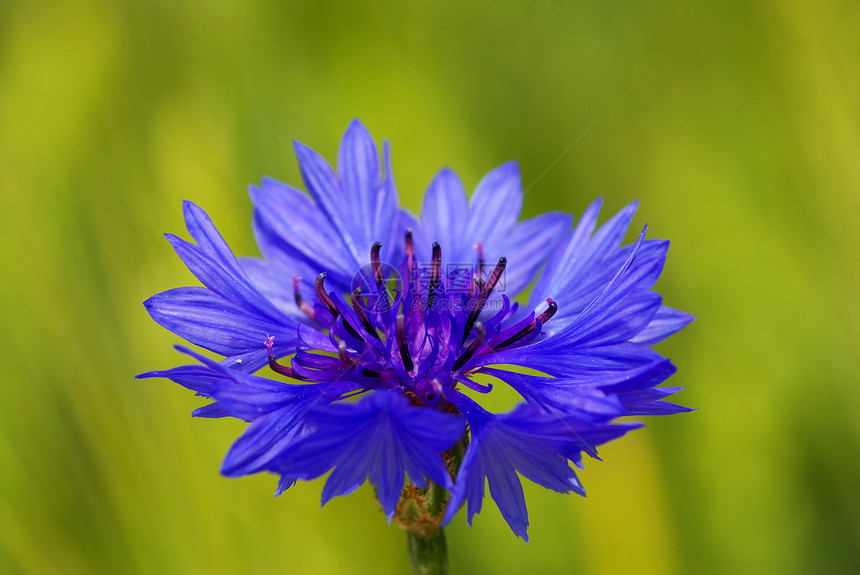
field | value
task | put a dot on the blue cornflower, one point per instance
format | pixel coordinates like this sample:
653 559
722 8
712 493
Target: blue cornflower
366 300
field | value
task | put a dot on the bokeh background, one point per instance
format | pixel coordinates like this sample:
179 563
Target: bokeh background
737 125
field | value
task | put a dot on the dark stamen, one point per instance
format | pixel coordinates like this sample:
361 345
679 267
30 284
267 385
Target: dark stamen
483 294
328 302
400 333
496 275
479 283
358 308
544 317
377 265
284 370
480 335
300 301
410 256
480 249
378 276
547 314
435 272
436 263
325 299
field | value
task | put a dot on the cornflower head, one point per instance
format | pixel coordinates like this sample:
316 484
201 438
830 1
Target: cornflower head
371 326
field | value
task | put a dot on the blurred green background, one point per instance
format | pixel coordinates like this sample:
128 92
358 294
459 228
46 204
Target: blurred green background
736 124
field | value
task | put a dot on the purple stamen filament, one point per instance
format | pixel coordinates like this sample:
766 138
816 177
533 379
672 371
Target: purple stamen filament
358 308
376 264
480 335
300 301
284 370
410 255
402 343
328 302
435 272
544 317
483 294
325 299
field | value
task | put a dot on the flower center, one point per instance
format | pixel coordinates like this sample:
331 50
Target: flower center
415 329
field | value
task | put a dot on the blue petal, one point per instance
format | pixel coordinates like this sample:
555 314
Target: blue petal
389 222
249 397
666 322
614 322
203 232
213 410
214 264
276 410
602 396
644 377
208 320
197 378
528 245
284 483
489 221
598 338
507 492
266 438
222 281
525 441
553 357
243 395
575 297
349 212
581 261
325 188
444 215
358 167
380 438
495 206
291 228
562 394
635 389
657 408
275 284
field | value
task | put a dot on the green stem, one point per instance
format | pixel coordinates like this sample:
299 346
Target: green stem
437 499
428 554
